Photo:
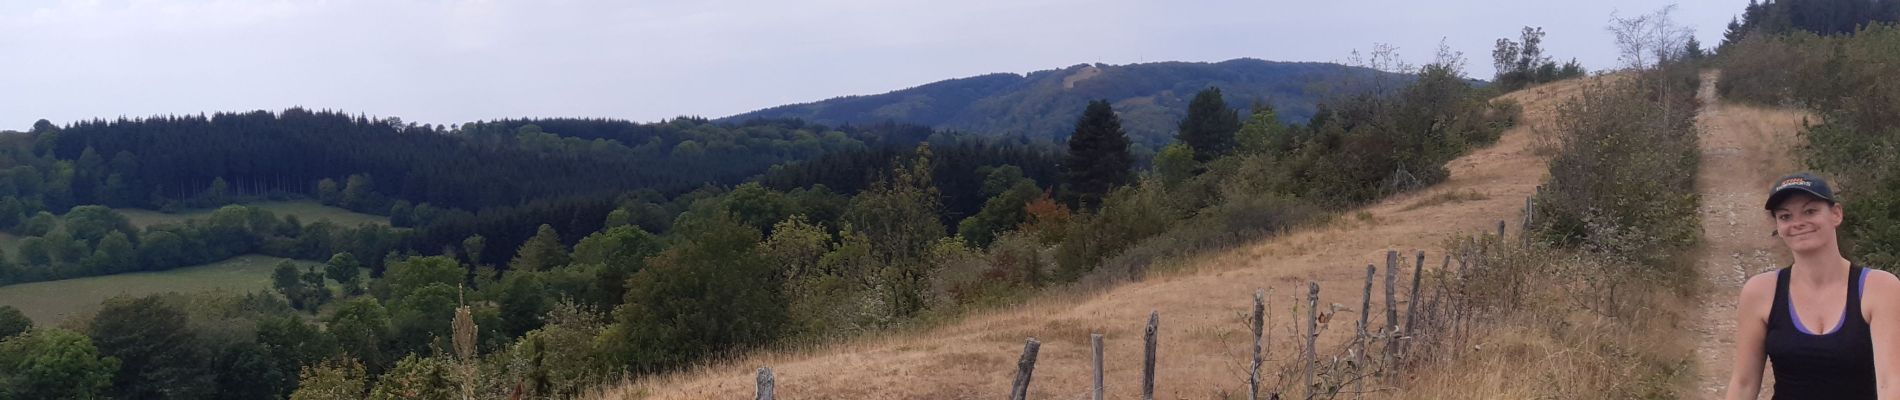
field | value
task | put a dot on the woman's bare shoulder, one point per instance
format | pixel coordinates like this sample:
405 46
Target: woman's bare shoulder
1881 284
1760 289
1881 277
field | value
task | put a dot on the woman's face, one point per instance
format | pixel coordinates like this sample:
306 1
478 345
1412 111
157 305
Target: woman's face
1806 223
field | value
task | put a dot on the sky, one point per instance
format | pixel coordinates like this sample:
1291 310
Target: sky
453 61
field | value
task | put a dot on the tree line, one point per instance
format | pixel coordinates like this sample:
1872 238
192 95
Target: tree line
1820 17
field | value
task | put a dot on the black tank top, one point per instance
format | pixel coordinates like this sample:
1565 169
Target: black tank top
1829 364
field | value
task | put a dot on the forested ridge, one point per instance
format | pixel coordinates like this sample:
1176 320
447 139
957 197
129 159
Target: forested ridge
1043 104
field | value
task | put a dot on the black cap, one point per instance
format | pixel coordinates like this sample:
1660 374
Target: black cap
1801 182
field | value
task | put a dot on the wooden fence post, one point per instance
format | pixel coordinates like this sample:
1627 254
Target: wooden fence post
1259 326
1095 341
1411 304
1148 356
1025 367
1500 230
1365 310
1538 194
767 384
1460 311
1527 212
1391 308
1527 223
1312 332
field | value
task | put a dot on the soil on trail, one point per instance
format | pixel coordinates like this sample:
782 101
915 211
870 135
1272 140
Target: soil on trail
1204 340
1743 149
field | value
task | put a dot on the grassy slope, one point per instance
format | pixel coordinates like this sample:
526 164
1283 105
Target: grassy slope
54 301
1202 305
305 210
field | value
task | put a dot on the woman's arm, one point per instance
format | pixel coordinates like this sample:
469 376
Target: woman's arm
1751 327
1881 304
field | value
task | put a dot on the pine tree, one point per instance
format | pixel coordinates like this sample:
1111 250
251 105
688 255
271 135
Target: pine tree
1209 126
542 252
1734 34
1098 159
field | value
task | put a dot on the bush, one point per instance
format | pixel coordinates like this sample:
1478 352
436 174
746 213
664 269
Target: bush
1622 182
560 360
711 293
331 380
418 378
1129 214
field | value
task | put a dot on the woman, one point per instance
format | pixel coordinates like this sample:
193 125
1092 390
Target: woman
1818 320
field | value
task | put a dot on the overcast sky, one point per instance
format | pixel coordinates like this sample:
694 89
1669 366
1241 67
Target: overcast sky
453 61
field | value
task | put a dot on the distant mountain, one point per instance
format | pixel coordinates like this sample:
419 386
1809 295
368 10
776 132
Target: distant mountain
1150 97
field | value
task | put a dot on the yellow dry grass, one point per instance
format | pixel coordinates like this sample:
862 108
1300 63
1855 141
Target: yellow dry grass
1202 304
1553 350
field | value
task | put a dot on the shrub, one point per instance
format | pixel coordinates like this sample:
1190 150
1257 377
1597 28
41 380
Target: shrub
1622 183
1130 214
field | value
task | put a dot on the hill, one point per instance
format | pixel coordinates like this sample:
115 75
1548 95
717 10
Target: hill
1201 304
1150 97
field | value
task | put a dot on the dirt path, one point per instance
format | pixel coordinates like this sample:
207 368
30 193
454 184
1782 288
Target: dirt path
1203 337
1743 148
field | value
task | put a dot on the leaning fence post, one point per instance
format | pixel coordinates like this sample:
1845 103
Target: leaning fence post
1460 313
766 384
1500 230
1412 318
1025 367
1312 332
1095 341
1365 310
1148 356
1259 323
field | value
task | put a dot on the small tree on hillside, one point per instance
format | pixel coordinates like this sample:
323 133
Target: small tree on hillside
289 283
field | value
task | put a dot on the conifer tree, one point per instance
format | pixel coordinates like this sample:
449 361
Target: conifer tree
1098 157
1209 126
542 252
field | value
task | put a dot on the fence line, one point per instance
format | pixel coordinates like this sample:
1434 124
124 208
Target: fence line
1433 325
